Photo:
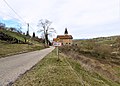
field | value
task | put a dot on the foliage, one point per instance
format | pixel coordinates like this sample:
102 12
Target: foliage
104 51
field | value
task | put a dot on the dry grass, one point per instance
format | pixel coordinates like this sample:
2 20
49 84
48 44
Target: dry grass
49 72
99 67
66 72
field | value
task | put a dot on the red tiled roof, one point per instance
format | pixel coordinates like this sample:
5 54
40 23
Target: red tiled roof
65 36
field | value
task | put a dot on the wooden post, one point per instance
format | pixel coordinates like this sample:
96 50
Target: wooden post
57 44
57 52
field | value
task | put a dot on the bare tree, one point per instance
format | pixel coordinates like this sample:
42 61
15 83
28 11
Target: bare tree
45 24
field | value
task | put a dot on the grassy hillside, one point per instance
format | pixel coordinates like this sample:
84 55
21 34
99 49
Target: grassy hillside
12 36
14 43
7 49
100 55
106 48
66 72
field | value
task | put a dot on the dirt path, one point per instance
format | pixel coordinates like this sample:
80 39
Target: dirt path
13 66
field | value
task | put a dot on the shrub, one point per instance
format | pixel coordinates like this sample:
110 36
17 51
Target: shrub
103 50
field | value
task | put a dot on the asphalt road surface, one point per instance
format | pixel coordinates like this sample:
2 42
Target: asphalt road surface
13 66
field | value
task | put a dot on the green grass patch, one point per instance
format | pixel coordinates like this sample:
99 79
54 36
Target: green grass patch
11 49
14 35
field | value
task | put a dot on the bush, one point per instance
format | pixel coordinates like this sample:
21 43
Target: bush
103 50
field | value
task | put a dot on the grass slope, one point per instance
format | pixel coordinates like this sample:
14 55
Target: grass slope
66 72
8 47
14 35
49 72
12 49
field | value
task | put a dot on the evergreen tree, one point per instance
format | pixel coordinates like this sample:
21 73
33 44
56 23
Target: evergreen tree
66 32
33 34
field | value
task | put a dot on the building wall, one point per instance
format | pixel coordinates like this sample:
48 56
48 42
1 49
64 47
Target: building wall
66 41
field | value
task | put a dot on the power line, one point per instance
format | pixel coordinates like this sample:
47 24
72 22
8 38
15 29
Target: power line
15 12
8 15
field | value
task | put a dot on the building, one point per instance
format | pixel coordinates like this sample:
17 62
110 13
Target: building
65 39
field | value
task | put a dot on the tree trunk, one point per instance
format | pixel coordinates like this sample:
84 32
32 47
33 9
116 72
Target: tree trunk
45 38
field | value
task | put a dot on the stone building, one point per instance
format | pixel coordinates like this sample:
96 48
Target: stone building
65 39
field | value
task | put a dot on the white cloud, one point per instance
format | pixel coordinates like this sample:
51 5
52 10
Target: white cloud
77 15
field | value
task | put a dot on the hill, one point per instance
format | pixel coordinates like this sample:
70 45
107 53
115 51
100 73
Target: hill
12 37
101 48
12 42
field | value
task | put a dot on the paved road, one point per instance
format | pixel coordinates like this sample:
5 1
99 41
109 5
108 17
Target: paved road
13 66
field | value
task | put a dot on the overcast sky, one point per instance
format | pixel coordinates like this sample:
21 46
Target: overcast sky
83 18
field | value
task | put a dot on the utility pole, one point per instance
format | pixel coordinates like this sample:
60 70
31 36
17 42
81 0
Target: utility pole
27 29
